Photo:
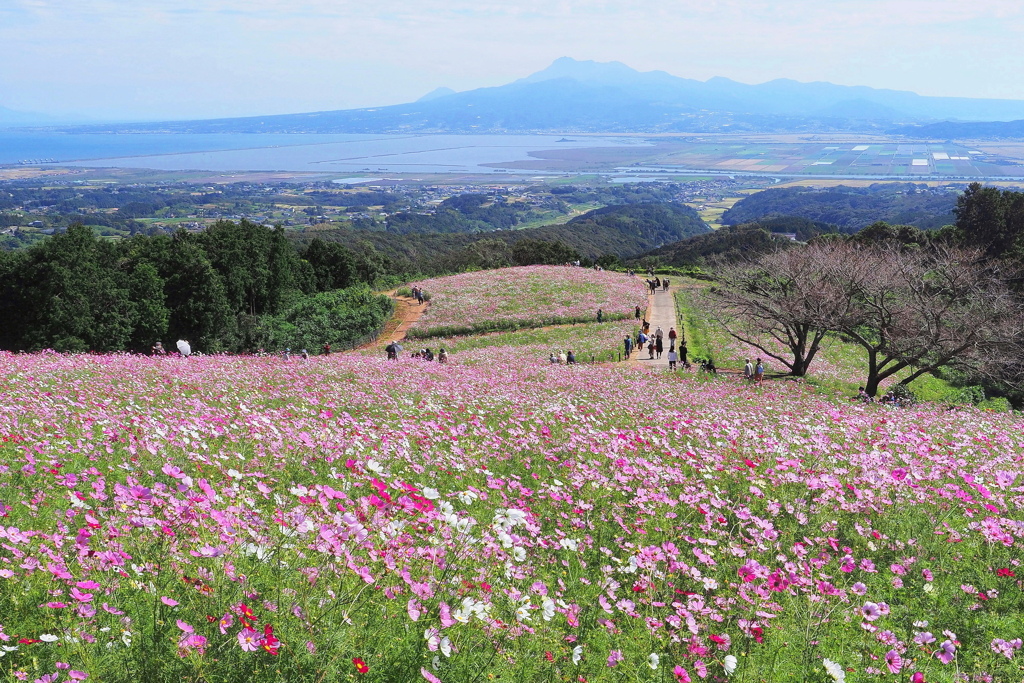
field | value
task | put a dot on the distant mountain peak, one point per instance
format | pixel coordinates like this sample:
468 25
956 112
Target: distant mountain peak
587 71
436 93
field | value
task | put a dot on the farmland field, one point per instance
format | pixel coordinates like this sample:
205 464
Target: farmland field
497 518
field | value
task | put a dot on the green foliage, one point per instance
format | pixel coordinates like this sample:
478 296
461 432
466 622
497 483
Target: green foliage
849 208
729 244
997 404
991 219
462 213
76 292
341 318
696 327
618 231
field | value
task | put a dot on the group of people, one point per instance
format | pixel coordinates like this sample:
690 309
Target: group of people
562 358
417 293
427 354
754 373
657 283
655 343
394 348
184 349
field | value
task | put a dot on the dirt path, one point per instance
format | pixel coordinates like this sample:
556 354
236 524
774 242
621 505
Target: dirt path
407 311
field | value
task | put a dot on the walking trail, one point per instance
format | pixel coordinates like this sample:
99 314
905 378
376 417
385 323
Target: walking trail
407 312
661 312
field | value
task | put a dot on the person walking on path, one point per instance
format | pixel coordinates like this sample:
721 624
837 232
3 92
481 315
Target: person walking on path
672 335
748 370
627 343
682 356
658 333
658 346
759 372
600 315
672 358
650 349
638 313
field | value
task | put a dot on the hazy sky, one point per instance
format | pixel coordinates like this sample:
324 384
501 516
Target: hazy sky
203 58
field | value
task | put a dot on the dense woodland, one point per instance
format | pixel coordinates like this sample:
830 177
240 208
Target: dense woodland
850 208
234 287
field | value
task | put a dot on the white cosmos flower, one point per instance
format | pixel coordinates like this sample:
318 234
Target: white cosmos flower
523 613
547 607
432 494
48 638
445 646
467 497
729 663
577 654
569 544
519 554
653 660
834 670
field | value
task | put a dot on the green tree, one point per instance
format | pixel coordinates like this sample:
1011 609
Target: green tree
199 308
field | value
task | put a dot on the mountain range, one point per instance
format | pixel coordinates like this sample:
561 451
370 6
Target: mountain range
587 96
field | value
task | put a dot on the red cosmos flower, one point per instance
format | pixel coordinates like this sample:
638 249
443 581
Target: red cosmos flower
28 641
1005 571
271 644
246 612
360 665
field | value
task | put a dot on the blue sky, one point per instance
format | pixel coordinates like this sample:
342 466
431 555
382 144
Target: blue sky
153 59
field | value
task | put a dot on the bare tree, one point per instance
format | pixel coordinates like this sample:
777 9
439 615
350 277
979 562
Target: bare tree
784 303
909 308
925 309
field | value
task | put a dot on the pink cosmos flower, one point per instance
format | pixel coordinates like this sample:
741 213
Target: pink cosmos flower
614 657
248 639
946 652
893 661
870 611
924 637
170 602
681 675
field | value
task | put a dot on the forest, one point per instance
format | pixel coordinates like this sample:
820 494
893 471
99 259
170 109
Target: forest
851 208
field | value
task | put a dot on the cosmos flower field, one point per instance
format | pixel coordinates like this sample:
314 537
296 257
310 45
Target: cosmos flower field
353 518
524 297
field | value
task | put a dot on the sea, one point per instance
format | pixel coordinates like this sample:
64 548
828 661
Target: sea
299 152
